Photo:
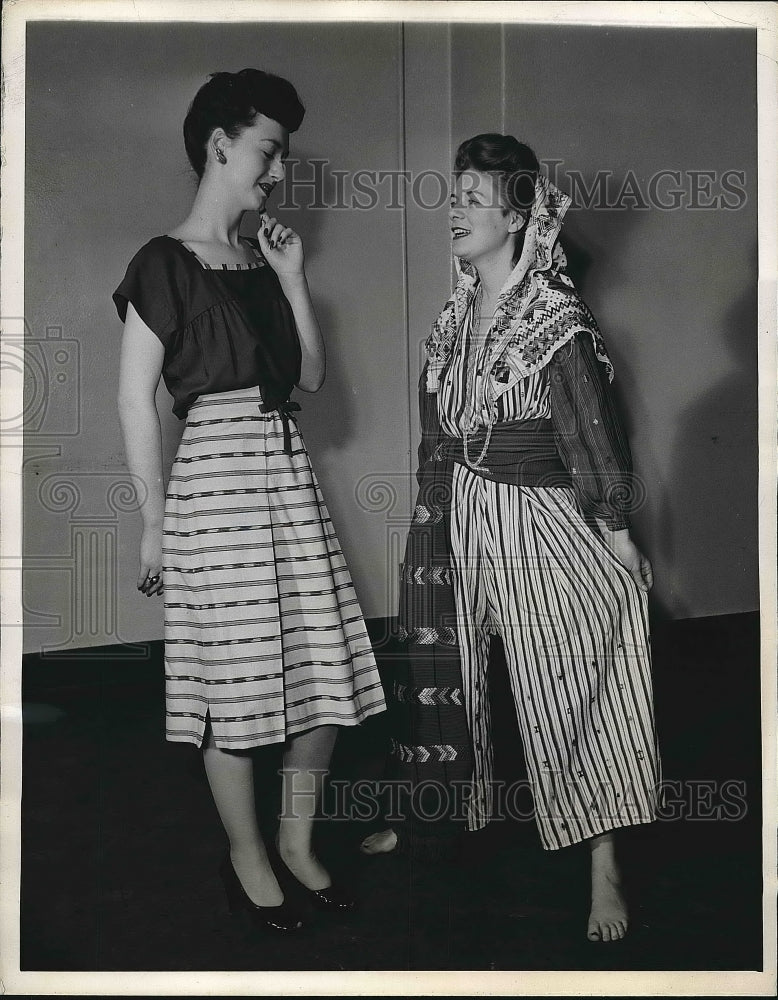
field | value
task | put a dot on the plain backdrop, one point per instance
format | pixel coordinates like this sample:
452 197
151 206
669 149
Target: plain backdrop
674 291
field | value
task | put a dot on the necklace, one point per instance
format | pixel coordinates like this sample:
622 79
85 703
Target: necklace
475 400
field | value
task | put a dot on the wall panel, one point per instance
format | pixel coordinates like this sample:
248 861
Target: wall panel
106 171
674 291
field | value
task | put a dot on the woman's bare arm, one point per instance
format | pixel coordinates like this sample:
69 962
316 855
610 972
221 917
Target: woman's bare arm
140 368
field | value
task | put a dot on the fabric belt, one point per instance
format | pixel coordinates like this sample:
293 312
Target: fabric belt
520 452
284 409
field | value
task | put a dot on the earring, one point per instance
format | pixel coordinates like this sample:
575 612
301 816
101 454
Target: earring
220 155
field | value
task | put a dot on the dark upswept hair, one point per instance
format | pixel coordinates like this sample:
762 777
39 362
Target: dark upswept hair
232 101
514 163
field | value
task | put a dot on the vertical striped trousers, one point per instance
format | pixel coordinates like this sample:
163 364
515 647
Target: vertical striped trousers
575 629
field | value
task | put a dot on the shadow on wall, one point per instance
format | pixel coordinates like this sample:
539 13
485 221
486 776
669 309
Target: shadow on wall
713 465
335 396
596 250
718 431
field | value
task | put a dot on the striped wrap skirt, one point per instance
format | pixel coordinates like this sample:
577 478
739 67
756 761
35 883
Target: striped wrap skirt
264 635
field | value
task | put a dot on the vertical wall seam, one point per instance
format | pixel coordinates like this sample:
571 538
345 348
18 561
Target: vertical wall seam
450 160
502 78
404 241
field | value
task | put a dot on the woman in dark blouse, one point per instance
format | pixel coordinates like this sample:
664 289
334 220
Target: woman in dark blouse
521 530
264 638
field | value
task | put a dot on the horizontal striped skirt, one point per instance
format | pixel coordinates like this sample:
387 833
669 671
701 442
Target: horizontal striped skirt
264 636
575 629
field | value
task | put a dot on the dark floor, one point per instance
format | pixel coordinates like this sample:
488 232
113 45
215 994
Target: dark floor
121 842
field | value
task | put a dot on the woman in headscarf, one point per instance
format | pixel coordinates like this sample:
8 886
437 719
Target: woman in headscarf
521 530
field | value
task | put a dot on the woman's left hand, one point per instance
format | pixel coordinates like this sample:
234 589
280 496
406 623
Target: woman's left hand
633 559
281 247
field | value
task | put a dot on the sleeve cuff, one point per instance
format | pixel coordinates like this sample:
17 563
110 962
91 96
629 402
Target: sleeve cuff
615 523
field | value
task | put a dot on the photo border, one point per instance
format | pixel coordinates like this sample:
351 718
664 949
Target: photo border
763 17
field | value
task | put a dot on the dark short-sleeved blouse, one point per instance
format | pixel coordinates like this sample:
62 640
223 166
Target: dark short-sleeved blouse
222 328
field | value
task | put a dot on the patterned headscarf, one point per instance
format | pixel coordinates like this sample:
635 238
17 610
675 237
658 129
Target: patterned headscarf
538 309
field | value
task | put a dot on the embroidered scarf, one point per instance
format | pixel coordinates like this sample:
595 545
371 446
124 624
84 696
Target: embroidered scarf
538 311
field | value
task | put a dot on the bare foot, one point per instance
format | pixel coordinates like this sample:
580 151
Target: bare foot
383 842
608 918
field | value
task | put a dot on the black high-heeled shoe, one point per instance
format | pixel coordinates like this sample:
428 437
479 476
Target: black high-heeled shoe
334 897
281 919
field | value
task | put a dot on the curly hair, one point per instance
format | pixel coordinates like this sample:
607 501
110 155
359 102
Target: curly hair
513 162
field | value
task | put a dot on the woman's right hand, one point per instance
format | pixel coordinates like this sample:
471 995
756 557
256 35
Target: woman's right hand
632 559
150 579
281 247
